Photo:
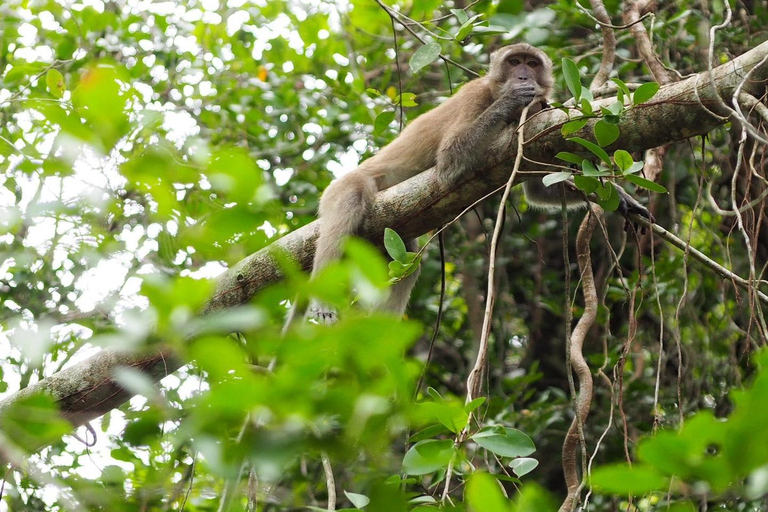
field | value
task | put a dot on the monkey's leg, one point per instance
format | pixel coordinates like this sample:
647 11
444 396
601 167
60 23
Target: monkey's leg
401 290
342 210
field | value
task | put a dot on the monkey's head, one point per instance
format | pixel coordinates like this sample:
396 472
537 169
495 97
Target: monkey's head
520 65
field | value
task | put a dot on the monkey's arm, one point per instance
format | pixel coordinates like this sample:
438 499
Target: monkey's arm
466 143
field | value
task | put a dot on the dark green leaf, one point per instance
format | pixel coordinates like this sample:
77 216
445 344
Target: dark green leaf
382 121
572 78
586 184
606 133
573 126
569 157
642 182
394 245
594 148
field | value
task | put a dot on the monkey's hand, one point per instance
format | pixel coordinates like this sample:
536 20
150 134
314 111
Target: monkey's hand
322 313
514 100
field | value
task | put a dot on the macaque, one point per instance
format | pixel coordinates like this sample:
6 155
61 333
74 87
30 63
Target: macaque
454 138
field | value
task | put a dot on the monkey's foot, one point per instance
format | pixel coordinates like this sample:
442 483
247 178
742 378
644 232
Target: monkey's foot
322 313
627 208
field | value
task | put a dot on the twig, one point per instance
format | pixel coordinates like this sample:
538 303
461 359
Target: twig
703 258
330 482
474 381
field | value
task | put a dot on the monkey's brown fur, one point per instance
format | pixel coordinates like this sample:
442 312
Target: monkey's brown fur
454 138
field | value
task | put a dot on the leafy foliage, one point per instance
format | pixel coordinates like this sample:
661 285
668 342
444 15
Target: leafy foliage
146 147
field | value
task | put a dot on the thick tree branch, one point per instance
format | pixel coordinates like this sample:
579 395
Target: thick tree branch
87 390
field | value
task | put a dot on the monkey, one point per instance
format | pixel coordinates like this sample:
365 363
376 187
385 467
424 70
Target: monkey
454 138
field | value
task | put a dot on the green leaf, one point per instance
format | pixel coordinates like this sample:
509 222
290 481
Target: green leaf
642 182
474 404
505 442
523 465
586 184
555 177
623 159
54 81
358 500
593 148
586 106
428 456
394 245
382 121
635 167
466 28
573 126
645 92
484 493
589 169
606 133
621 479
607 197
424 56
572 78
569 157
407 99
621 85
460 15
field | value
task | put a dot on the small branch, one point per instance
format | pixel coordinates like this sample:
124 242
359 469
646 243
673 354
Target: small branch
703 258
330 482
582 402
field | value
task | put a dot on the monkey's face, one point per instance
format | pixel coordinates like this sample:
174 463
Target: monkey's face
520 68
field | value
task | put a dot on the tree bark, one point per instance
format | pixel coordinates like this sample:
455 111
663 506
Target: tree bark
87 389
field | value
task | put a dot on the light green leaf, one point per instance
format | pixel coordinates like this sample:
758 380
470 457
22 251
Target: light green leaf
358 500
622 479
506 442
523 465
424 56
623 159
555 177
645 92
484 493
54 81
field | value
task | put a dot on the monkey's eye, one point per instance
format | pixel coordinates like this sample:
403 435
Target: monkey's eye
533 64
514 62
